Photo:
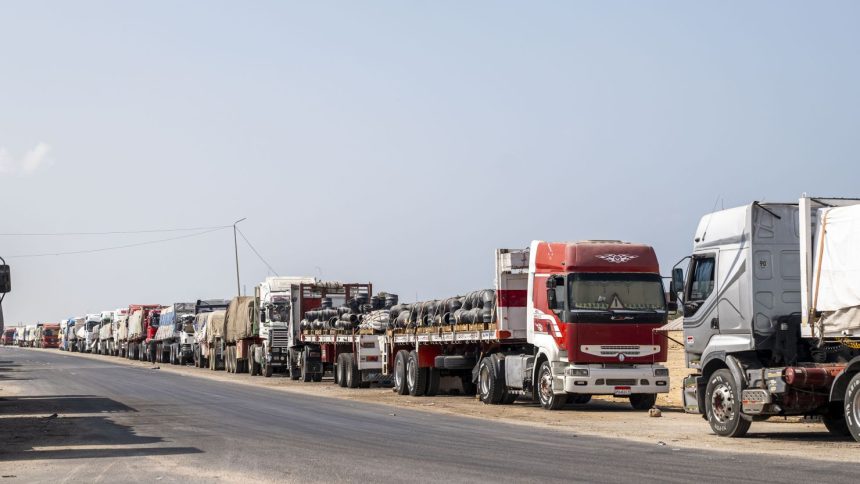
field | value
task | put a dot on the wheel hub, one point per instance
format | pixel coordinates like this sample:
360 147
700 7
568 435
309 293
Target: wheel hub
545 386
723 402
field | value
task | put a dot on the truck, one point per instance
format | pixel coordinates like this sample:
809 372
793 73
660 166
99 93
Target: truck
212 342
119 332
30 336
333 336
771 315
47 335
203 310
566 320
175 335
87 333
268 353
8 337
106 334
140 326
230 346
67 334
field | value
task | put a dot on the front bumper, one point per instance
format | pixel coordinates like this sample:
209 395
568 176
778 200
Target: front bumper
614 381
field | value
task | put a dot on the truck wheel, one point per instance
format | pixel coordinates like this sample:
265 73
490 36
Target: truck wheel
339 376
306 375
852 406
353 377
579 398
643 401
433 377
416 377
267 368
834 420
548 399
723 404
293 368
490 386
400 386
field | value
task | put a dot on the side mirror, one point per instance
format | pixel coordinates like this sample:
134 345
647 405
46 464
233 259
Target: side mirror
677 285
5 279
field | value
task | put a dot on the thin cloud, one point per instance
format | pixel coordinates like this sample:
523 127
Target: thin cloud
27 164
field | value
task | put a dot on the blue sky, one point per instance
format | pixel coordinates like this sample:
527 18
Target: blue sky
399 142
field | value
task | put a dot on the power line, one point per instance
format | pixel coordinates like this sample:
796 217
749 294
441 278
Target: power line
117 247
255 251
112 232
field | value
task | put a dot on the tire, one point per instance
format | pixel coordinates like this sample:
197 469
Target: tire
400 387
579 398
852 406
548 399
253 366
353 377
643 401
723 405
835 422
416 377
339 376
433 377
306 375
293 369
491 387
266 369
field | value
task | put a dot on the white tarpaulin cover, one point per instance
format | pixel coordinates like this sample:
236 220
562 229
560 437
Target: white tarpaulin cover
837 268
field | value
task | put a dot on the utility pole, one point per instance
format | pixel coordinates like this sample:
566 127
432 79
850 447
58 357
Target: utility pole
236 251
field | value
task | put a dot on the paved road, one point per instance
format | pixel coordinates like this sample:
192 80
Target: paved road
122 423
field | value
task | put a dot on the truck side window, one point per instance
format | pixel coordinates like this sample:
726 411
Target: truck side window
701 285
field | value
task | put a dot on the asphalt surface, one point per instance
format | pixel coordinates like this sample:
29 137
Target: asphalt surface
132 424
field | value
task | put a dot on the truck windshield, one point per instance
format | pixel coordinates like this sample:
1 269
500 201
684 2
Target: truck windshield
616 292
280 312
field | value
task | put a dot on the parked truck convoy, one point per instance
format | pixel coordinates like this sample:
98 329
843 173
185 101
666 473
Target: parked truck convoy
772 315
770 304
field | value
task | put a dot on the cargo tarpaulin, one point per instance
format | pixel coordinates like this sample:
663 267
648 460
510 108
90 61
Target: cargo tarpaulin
240 319
215 325
836 269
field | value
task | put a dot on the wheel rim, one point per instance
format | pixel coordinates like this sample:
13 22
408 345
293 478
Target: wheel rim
410 377
855 411
545 388
398 373
484 379
723 403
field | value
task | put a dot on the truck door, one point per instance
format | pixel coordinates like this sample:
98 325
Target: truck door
701 315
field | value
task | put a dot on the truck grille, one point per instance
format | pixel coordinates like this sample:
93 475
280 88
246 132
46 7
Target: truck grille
280 338
621 381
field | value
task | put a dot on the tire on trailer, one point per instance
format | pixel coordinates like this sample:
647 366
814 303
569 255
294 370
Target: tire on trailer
433 377
643 401
400 386
491 382
306 375
723 405
351 373
339 376
416 377
548 399
852 406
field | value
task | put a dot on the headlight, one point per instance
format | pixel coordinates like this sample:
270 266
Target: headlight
577 372
661 372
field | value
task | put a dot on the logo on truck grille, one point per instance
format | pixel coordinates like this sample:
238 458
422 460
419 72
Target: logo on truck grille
617 258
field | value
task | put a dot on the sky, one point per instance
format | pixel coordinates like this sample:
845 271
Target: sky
398 143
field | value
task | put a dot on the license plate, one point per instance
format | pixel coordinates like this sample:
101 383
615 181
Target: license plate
622 391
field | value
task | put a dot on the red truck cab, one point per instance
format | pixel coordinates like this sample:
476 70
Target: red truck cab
594 308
